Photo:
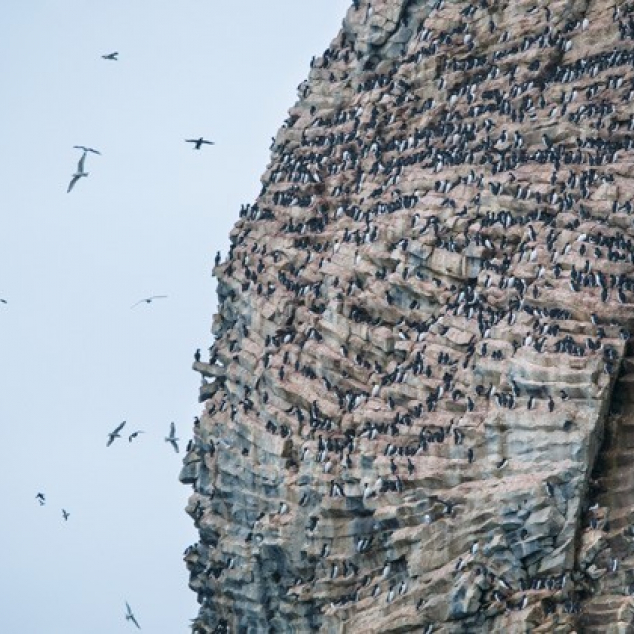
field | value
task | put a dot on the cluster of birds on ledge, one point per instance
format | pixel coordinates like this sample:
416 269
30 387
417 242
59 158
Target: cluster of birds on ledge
171 438
80 172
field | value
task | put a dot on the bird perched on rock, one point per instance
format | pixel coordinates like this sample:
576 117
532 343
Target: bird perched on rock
112 56
78 174
130 616
115 434
198 143
148 300
172 437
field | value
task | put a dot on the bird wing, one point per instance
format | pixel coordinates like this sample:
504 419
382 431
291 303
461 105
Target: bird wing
172 430
134 620
139 302
119 428
208 142
79 147
4 301
191 140
73 180
80 165
175 445
158 297
128 608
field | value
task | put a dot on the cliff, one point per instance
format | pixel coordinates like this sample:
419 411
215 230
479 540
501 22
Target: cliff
417 407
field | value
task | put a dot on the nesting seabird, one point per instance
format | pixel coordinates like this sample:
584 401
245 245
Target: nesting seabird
172 437
78 174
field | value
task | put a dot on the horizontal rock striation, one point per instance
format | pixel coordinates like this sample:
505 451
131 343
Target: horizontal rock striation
418 404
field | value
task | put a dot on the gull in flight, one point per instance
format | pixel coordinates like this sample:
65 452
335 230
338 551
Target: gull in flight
115 434
79 173
4 301
148 300
41 499
66 514
134 434
86 149
199 142
172 437
111 56
129 616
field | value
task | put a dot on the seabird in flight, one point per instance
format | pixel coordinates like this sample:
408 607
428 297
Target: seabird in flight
111 56
172 437
148 300
79 173
87 149
66 514
198 143
130 616
3 301
134 434
41 499
115 434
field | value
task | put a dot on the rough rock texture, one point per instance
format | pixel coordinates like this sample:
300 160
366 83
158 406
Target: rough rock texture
417 408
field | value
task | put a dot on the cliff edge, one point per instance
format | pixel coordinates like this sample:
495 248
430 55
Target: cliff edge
417 410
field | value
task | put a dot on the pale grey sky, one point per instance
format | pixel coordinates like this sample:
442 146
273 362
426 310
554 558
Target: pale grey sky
75 360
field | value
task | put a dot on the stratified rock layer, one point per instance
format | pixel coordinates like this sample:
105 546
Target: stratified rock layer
417 409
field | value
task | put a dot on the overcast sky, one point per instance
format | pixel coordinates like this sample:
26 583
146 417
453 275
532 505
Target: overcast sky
75 359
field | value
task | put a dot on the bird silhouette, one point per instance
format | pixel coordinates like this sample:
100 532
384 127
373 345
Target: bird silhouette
87 149
134 434
198 143
115 434
79 173
4 301
148 300
66 514
111 56
172 437
41 499
130 616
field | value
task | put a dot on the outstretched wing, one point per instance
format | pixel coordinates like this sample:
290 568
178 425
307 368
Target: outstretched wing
118 429
172 430
133 619
175 445
209 142
73 180
128 608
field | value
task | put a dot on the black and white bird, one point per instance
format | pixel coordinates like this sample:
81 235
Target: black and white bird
130 616
172 437
80 173
115 434
148 300
112 56
198 143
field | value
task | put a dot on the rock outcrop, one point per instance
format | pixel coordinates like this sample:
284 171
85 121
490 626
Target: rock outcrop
417 408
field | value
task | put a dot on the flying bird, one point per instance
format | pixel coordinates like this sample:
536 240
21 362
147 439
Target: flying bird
41 499
130 616
134 434
115 434
111 56
66 514
199 142
172 437
4 301
79 173
87 149
148 300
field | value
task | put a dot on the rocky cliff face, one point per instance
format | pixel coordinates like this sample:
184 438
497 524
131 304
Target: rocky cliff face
417 412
